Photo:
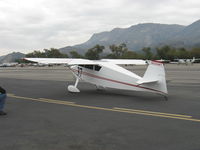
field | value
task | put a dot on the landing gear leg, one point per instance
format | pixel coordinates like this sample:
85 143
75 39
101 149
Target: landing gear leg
73 88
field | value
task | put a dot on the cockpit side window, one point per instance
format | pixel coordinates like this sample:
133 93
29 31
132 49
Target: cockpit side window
97 67
89 66
92 67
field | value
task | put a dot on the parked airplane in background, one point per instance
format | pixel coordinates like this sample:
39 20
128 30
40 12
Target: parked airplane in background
184 61
8 64
194 60
108 73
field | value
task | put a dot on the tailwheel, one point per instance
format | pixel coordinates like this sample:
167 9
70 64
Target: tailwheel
100 88
166 97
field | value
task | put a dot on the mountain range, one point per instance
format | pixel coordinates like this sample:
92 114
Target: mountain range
135 37
143 35
11 57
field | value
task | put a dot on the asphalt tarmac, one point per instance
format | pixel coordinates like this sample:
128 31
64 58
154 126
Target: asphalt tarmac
43 115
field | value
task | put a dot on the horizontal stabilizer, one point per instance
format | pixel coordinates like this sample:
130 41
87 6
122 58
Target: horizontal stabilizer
143 81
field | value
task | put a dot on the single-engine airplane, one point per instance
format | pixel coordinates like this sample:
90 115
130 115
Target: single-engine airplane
107 73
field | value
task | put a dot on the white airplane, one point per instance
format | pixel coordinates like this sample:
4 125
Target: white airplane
8 64
107 73
184 61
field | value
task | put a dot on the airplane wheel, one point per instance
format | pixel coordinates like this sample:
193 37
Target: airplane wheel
166 98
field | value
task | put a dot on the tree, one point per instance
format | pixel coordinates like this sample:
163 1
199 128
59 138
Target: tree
147 53
130 55
195 52
162 52
167 52
172 54
94 53
36 54
52 53
75 54
118 51
183 53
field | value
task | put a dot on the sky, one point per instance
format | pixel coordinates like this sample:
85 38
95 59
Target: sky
27 25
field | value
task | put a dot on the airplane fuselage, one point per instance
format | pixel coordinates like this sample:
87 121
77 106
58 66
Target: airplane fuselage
111 76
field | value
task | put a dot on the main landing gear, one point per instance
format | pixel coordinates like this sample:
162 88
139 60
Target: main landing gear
73 88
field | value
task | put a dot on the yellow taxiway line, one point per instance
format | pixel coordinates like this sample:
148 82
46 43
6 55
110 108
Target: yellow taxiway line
151 112
115 109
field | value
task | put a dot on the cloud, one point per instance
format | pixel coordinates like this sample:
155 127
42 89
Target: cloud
38 24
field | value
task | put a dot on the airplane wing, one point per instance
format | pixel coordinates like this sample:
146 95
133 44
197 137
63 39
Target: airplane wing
75 61
125 61
68 61
49 60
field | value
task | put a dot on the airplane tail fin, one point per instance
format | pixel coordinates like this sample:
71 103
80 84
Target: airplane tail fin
193 60
154 78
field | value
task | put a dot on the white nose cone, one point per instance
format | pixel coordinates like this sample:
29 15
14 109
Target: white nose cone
73 89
